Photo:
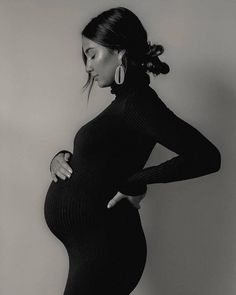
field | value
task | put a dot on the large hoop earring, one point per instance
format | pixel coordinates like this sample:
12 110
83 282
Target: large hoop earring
120 74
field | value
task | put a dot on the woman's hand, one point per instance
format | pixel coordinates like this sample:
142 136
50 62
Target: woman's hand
134 200
59 166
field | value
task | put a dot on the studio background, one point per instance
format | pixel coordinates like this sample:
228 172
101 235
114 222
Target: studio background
190 226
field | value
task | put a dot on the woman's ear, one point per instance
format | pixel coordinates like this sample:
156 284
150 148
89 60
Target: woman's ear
121 54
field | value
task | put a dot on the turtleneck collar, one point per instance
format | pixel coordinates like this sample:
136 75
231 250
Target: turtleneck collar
133 80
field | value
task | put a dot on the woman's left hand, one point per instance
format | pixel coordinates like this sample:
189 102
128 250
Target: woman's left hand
134 200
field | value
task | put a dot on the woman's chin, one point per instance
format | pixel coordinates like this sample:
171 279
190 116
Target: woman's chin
100 83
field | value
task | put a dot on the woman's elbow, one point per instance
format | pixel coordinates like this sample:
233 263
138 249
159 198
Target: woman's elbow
214 159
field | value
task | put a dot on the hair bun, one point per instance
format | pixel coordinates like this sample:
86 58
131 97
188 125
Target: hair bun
154 49
151 61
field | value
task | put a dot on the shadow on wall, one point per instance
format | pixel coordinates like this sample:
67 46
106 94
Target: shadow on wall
190 225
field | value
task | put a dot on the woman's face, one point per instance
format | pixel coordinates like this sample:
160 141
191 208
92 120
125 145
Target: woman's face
100 62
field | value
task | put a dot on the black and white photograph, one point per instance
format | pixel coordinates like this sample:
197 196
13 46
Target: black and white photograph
118 147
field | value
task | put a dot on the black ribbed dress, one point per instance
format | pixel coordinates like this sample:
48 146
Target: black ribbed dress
106 247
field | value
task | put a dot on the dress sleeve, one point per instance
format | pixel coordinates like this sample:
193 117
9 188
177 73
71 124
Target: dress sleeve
62 151
196 155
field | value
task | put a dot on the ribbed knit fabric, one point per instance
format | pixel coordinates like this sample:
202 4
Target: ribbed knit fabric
107 247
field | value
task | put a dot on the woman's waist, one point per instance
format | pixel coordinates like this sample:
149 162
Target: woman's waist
79 188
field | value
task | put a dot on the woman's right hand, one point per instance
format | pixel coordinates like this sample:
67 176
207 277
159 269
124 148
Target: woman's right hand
59 166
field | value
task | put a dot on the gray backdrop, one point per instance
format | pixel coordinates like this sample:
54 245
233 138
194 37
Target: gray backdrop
189 225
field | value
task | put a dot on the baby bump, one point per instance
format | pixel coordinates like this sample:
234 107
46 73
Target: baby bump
69 206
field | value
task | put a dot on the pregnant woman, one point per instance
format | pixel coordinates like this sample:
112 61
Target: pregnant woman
92 203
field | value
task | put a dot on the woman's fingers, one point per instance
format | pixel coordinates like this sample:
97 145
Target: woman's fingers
66 168
115 199
59 167
60 175
62 172
134 200
54 177
66 156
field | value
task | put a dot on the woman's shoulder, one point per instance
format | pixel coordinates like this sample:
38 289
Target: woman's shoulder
145 98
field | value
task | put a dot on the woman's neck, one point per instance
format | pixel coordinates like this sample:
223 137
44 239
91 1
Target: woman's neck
134 78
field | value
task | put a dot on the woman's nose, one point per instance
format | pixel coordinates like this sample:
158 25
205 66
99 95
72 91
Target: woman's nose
88 67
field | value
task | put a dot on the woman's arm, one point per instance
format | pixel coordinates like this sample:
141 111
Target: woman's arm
197 156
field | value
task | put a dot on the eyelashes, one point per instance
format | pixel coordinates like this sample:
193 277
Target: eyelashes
91 57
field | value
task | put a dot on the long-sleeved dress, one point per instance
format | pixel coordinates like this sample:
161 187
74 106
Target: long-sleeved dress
107 247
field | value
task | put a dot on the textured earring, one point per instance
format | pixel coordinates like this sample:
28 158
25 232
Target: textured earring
120 74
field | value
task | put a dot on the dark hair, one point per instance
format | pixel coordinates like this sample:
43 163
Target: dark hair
119 28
